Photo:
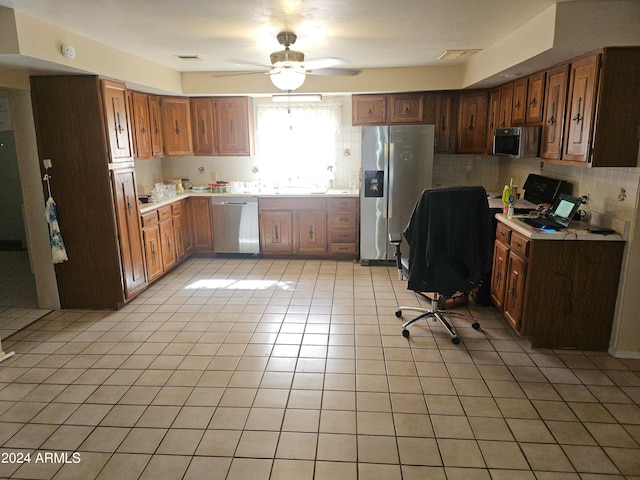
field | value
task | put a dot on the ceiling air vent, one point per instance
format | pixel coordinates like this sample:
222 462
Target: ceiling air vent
457 54
189 57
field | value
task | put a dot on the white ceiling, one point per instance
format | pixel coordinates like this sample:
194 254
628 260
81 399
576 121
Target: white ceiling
365 33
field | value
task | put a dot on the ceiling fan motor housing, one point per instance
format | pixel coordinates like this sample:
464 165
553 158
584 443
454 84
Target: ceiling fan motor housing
286 57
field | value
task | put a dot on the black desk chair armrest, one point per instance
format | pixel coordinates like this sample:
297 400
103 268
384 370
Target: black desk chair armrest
396 239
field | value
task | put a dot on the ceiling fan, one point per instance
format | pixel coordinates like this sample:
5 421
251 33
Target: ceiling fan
289 69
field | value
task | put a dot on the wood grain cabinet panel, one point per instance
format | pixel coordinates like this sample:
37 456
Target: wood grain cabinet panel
200 224
82 125
141 121
472 122
554 106
176 126
583 80
556 293
406 108
155 119
117 121
276 231
535 98
369 110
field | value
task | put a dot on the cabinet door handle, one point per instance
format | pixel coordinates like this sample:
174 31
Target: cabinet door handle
552 118
310 232
471 123
142 129
443 123
129 206
577 117
120 128
276 232
407 110
202 128
153 254
177 128
232 127
512 290
533 102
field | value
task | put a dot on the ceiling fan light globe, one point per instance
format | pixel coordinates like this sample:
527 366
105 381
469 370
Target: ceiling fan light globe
288 79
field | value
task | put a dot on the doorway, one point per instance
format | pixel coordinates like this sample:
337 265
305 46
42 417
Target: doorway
18 295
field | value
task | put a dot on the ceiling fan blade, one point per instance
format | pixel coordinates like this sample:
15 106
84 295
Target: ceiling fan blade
325 62
236 74
254 64
338 72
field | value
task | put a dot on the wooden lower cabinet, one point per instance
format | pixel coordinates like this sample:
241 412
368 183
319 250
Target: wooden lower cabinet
200 224
129 237
316 227
276 228
343 226
310 231
167 238
559 293
180 231
163 235
152 245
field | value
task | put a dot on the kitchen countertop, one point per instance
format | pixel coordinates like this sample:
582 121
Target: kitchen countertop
284 193
576 231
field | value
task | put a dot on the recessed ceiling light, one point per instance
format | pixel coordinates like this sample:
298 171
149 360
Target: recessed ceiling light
457 54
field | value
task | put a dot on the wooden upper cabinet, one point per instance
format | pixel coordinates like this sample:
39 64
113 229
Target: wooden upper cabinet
202 126
406 108
535 98
141 124
439 110
583 80
519 107
155 119
114 96
615 131
233 120
472 122
369 110
554 105
506 105
176 126
492 117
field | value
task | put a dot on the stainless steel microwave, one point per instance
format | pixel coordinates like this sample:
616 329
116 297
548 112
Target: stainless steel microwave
518 142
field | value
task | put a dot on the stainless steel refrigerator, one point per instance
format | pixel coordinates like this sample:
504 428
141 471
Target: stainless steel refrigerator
397 165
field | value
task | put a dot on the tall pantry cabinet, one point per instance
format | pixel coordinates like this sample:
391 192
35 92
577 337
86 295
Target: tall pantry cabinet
83 126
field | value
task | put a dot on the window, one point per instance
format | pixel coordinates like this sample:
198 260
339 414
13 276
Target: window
296 144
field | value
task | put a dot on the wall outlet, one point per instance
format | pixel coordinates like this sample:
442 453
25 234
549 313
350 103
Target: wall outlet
46 162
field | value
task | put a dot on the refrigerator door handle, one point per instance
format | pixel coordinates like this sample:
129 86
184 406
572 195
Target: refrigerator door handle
390 181
385 187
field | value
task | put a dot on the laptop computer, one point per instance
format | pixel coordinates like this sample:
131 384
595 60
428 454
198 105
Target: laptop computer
559 216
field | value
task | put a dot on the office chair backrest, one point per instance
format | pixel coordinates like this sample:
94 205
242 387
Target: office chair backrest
450 240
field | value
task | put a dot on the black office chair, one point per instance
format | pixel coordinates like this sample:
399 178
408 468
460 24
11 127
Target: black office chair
450 250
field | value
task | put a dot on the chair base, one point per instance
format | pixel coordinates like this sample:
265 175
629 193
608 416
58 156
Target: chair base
435 313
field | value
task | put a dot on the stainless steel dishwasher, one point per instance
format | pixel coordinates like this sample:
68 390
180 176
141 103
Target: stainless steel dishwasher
234 221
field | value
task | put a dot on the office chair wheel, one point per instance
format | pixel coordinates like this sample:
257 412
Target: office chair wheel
399 313
455 340
406 333
475 325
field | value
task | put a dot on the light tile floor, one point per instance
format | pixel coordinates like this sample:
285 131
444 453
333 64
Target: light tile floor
276 369
18 297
